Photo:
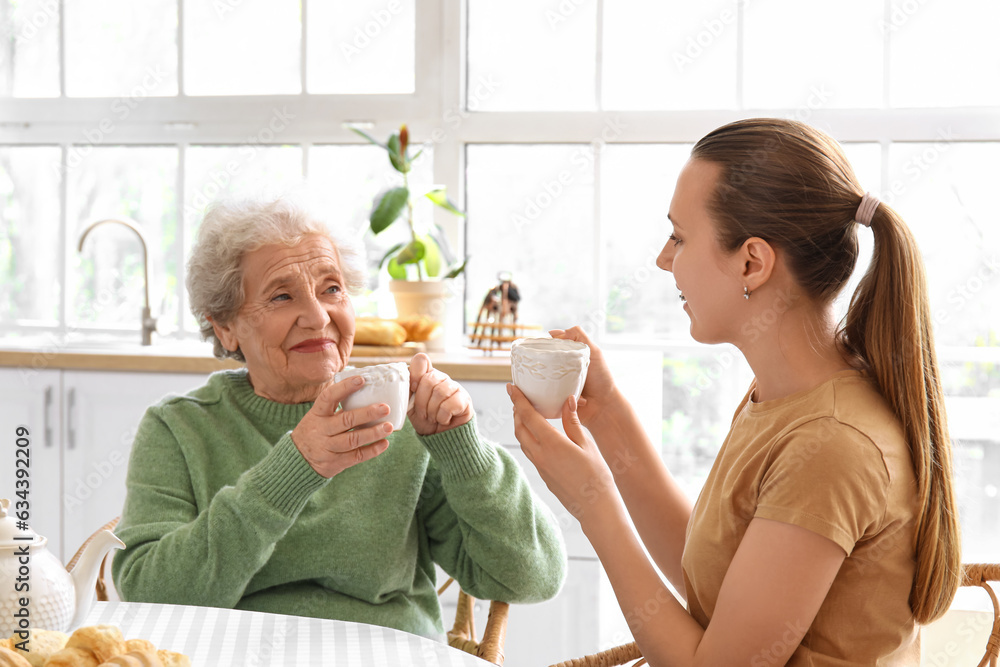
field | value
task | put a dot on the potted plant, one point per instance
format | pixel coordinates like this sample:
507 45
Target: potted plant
419 278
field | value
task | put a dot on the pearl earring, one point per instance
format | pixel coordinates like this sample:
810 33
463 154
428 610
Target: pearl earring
746 293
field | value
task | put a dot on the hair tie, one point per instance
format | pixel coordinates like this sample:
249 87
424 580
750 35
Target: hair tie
866 209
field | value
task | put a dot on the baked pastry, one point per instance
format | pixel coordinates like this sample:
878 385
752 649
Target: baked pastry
104 641
420 328
139 645
135 659
376 331
172 659
9 658
72 657
7 644
43 644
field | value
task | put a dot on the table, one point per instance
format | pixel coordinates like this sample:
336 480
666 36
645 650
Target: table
214 637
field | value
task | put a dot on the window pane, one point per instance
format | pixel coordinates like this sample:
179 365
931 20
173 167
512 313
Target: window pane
344 182
637 183
945 192
701 388
944 54
866 159
530 212
29 59
29 224
526 56
365 46
251 47
669 55
973 398
223 172
106 276
121 47
808 55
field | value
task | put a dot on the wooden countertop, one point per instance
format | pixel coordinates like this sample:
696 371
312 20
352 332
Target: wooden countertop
196 358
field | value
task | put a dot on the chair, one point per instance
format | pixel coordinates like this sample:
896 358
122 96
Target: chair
973 574
463 634
102 585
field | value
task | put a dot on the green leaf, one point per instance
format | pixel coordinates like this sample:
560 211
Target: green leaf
388 209
432 256
412 253
392 251
395 270
359 132
455 272
396 156
440 198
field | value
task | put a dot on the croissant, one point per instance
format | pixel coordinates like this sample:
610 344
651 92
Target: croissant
172 659
42 644
104 641
135 659
139 645
8 658
72 657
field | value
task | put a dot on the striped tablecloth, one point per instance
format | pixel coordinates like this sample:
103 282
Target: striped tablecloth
226 637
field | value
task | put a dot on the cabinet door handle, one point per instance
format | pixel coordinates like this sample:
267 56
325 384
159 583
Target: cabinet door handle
70 428
46 411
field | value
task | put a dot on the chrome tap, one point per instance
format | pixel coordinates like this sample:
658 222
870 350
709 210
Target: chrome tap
148 321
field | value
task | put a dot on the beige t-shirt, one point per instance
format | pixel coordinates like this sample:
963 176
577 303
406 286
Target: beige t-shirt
833 460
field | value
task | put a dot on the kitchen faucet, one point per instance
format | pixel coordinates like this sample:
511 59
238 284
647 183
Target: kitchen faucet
148 321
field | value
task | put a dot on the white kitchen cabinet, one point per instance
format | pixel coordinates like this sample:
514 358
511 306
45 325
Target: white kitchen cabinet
82 424
101 413
33 398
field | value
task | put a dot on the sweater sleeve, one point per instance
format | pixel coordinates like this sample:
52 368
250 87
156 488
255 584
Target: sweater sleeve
176 554
485 526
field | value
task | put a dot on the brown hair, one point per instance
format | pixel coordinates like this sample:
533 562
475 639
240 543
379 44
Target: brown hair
792 186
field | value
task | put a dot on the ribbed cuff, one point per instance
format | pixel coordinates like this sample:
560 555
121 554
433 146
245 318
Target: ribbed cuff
285 479
460 452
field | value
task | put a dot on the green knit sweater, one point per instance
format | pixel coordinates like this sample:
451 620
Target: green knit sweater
222 510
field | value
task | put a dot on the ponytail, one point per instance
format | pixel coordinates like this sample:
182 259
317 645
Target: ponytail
888 325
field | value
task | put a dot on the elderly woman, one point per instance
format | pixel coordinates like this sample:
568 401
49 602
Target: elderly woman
255 492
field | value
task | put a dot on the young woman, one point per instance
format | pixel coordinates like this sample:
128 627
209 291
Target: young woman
826 532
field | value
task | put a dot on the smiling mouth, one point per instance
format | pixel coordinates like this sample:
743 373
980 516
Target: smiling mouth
313 345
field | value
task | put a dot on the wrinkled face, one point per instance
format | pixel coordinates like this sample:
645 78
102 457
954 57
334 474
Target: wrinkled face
296 325
708 278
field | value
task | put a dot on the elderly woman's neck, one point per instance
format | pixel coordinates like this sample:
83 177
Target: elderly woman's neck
287 394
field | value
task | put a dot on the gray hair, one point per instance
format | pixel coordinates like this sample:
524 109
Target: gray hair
231 230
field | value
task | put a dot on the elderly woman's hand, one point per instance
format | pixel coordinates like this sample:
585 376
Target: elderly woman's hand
324 436
439 403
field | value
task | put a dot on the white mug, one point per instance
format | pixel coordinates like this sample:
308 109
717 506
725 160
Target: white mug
384 383
548 371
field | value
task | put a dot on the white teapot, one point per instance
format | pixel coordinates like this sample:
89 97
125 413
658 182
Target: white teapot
35 589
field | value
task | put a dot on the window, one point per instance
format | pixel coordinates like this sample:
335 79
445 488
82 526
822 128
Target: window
561 127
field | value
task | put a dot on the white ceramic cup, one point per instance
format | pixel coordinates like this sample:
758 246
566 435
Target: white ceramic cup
548 371
384 383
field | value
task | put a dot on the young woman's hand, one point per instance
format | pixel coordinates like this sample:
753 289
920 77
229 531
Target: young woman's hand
599 390
571 467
